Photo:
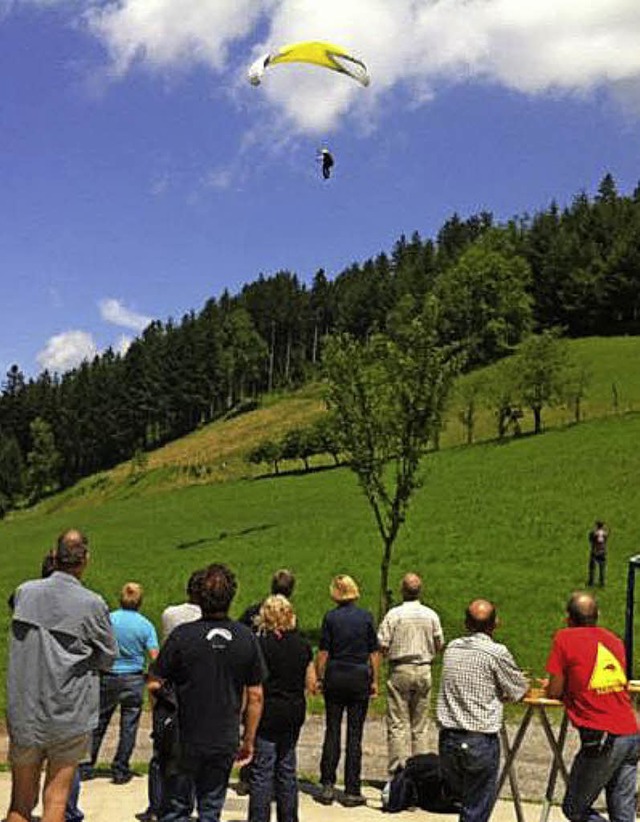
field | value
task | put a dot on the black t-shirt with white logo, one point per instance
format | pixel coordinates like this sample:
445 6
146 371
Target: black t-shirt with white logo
210 662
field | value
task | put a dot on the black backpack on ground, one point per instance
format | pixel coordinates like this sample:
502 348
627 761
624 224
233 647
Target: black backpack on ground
420 785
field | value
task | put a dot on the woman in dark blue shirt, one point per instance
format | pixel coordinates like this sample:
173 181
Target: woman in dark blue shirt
348 675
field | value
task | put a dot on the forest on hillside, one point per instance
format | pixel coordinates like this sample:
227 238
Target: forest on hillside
576 269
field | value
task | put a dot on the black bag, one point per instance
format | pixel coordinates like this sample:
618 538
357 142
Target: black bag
165 722
420 784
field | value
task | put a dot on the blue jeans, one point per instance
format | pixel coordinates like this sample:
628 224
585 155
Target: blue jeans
470 763
616 771
274 766
127 691
206 777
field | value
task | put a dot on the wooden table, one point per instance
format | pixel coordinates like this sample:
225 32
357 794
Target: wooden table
540 706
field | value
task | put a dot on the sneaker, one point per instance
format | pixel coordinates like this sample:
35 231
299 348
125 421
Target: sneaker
242 788
86 772
353 800
122 778
327 795
147 816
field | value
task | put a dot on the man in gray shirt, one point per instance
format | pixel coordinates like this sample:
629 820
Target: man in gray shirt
478 675
61 638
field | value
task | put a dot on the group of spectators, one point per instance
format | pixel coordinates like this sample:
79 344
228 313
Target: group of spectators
228 692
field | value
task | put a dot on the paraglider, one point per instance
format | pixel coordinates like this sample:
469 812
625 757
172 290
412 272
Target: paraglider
316 53
326 158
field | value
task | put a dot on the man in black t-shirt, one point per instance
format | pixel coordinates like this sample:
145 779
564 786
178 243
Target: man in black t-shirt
211 663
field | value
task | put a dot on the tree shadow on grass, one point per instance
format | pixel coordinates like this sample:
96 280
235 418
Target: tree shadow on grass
197 543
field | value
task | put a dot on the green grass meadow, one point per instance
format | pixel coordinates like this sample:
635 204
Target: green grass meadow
503 521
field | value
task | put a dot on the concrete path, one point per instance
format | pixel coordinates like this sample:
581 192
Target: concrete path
102 801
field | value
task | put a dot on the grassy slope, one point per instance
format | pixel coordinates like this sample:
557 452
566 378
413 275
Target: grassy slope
504 521
220 448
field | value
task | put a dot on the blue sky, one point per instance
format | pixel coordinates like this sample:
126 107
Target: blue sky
140 173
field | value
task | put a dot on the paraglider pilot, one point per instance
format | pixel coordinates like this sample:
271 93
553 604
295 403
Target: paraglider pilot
327 163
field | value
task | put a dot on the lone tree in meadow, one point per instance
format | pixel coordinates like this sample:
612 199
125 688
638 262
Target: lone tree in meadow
388 395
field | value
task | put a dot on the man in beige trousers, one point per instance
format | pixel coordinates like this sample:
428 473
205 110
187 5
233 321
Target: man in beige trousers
410 636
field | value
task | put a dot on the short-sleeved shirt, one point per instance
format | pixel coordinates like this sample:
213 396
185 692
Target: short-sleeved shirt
593 662
61 638
287 657
478 675
210 662
135 636
175 615
411 633
348 634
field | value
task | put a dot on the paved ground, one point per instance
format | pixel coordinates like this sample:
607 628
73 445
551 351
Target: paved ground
104 802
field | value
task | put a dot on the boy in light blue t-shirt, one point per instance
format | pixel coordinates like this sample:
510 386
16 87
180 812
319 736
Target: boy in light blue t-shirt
124 684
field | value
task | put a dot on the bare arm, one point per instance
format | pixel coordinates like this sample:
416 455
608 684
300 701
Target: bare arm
321 665
555 686
253 712
374 660
310 679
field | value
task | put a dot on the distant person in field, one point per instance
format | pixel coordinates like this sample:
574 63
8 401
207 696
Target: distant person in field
290 673
61 639
124 684
215 667
347 667
163 699
598 540
587 670
410 636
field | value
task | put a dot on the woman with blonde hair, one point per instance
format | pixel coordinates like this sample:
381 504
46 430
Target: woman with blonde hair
347 668
289 661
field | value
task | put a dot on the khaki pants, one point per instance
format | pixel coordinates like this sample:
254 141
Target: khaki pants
408 689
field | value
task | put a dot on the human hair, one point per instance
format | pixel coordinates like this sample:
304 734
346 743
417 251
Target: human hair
582 609
48 564
480 616
411 587
276 615
194 585
218 590
71 551
283 582
131 596
344 588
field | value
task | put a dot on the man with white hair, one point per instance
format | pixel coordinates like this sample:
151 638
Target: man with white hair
410 636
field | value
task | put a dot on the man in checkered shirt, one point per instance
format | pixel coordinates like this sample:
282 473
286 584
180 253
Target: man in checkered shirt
478 675
410 636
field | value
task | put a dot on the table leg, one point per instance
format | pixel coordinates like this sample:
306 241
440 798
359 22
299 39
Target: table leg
555 745
553 774
510 755
513 780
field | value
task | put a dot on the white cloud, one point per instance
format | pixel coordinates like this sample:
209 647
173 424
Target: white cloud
168 33
67 350
542 47
113 311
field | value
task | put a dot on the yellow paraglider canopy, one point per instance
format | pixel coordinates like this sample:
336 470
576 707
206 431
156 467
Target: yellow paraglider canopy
315 52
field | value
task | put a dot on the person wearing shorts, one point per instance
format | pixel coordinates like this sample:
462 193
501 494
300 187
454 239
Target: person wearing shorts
61 637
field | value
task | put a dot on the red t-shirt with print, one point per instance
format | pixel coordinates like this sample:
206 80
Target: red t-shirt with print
593 663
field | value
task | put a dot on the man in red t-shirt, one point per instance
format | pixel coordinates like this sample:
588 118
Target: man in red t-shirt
587 671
